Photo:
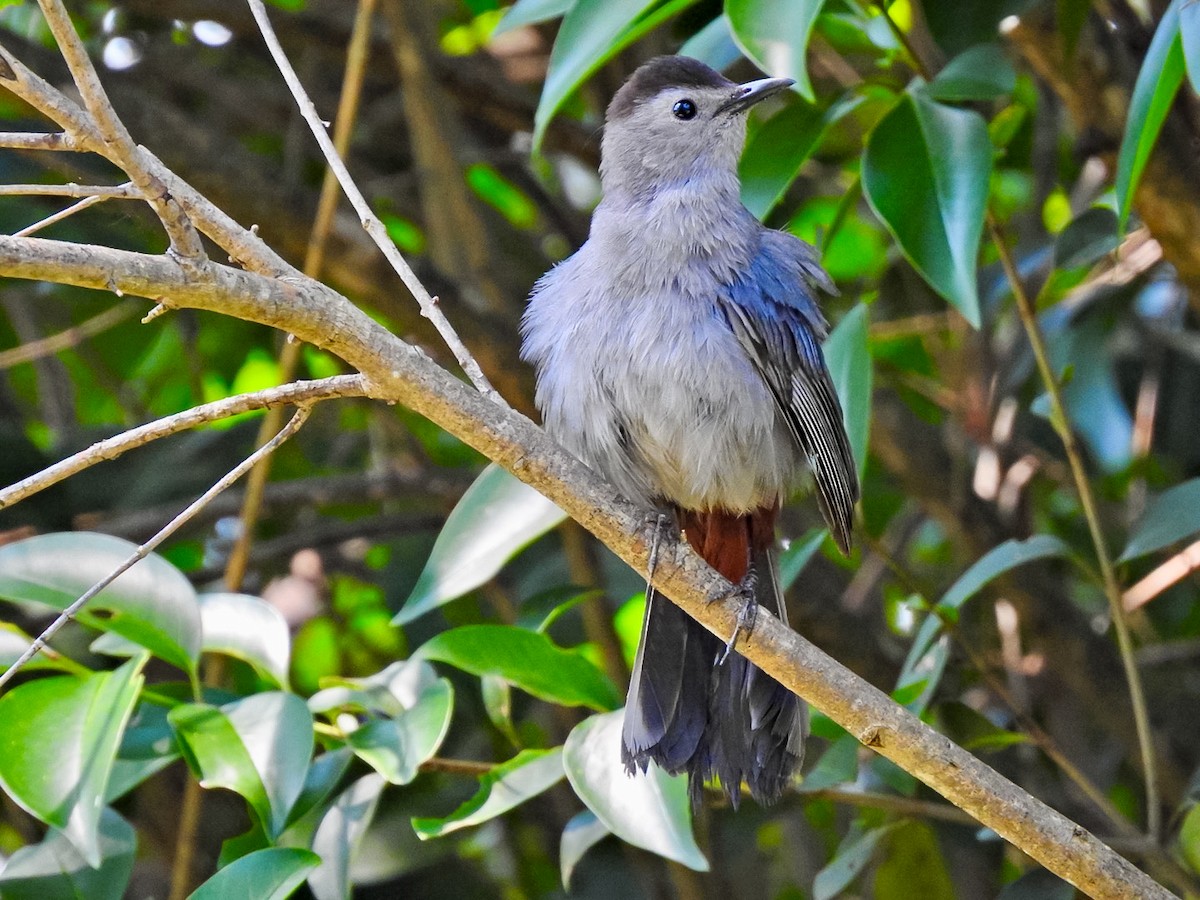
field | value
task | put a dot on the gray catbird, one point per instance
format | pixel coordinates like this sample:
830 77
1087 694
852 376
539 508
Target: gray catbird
678 352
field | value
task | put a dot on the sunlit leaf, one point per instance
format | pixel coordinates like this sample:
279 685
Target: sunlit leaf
1153 93
55 869
774 34
248 628
1172 517
506 786
270 874
1189 33
57 746
529 660
496 518
340 833
395 748
925 172
649 810
14 642
152 604
848 354
581 833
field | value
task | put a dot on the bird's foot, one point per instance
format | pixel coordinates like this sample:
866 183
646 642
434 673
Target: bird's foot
663 525
745 590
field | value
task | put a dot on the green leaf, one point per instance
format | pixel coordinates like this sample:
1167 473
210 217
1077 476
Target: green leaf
838 764
55 870
58 744
248 628
776 152
592 32
1189 34
921 674
1037 884
989 567
506 786
793 560
913 866
925 172
532 12
323 776
152 604
1090 235
774 35
395 748
649 810
1153 93
1172 517
258 747
974 731
1188 841
270 874
579 836
852 856
529 660
848 354
980 73
14 642
539 612
496 518
713 44
339 835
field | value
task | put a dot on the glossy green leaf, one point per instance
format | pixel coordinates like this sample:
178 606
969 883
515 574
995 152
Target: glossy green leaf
55 869
1173 516
983 72
324 774
913 866
713 44
506 786
852 856
580 835
14 642
147 746
648 810
1189 34
339 835
774 34
529 660
395 748
1037 884
1090 235
592 32
1153 93
848 354
496 518
837 765
532 12
973 731
57 746
541 611
776 152
248 628
925 172
258 747
152 604
270 874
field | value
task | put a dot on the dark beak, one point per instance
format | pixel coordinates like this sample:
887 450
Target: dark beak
746 95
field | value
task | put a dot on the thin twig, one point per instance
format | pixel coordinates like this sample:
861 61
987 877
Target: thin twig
370 222
289 358
145 549
34 140
65 340
1170 572
1087 499
103 191
59 216
185 241
307 392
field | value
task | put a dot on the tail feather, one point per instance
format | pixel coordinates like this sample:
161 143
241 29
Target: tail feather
732 722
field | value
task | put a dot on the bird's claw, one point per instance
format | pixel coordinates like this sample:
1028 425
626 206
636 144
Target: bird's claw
662 523
747 613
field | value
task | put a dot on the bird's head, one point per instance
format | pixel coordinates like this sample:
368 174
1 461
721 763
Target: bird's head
676 120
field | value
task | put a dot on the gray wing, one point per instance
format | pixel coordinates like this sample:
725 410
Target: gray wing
772 311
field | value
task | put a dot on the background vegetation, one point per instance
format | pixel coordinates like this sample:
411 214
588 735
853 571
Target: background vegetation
383 672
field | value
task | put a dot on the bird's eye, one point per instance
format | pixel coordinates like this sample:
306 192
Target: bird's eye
684 109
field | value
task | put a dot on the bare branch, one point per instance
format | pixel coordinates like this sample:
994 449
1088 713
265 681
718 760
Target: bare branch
370 221
64 340
297 421
185 242
33 140
102 191
59 216
306 392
